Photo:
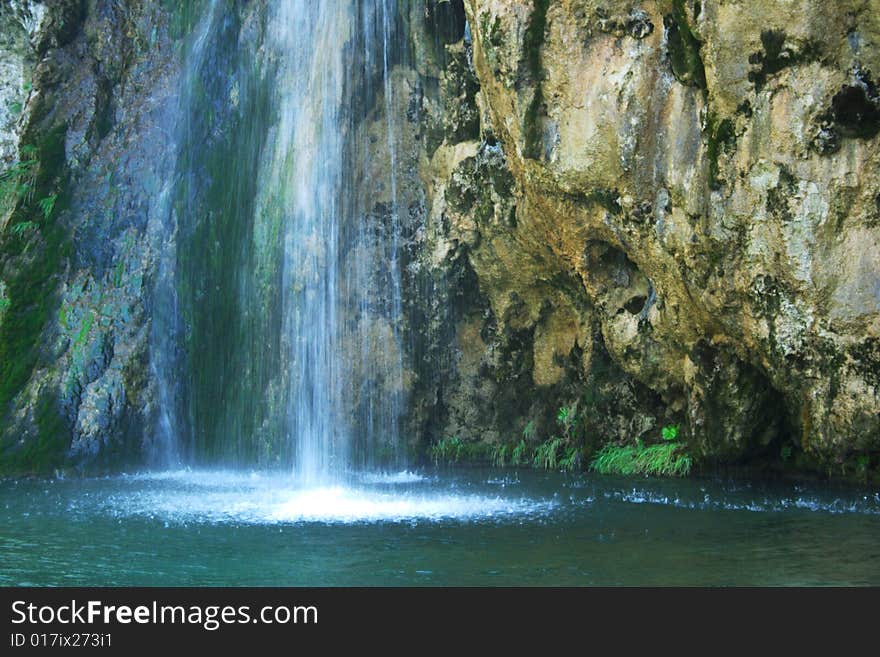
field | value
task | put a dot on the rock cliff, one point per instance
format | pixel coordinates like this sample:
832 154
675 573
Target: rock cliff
89 147
651 213
671 211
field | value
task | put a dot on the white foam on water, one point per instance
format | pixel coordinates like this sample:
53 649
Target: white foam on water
763 505
402 477
256 498
503 481
209 478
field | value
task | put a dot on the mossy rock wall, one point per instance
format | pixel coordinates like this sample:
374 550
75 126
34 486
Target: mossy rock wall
705 173
96 116
656 212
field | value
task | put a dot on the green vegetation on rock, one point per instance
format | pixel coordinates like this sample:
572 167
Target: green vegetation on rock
534 39
547 453
556 453
45 452
453 450
720 136
33 262
684 47
666 459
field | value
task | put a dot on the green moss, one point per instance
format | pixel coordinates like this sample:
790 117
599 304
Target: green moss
532 43
607 198
866 360
460 194
767 296
532 133
491 29
216 196
84 330
684 47
778 197
721 135
118 273
47 451
182 16
34 265
534 36
459 118
473 183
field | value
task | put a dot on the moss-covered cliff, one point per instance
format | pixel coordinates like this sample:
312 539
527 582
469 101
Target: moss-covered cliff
673 209
80 233
649 213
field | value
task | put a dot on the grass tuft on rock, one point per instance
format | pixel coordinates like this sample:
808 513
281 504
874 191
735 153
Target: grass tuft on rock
664 460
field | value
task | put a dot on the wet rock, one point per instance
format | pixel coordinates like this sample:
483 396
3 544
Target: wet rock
856 107
97 112
733 151
638 25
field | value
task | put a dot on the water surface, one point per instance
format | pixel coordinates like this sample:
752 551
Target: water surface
465 527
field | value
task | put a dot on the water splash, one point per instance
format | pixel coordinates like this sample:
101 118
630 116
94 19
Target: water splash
393 478
743 501
183 496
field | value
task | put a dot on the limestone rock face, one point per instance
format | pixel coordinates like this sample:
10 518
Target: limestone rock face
509 330
693 188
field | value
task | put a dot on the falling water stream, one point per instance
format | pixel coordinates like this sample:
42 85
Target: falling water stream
303 177
286 273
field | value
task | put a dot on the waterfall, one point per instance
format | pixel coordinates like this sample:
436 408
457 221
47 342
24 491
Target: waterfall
303 179
286 276
166 326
